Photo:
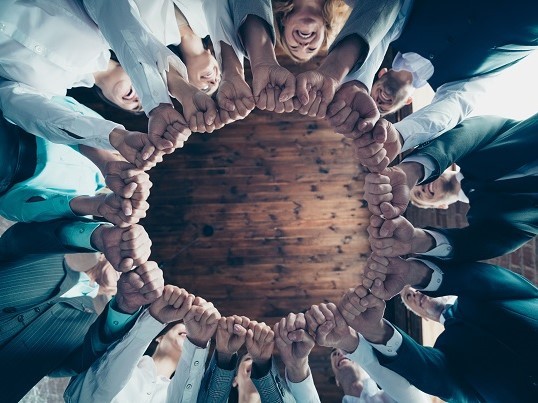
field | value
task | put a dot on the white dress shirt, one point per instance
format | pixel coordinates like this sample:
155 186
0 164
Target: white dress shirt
145 59
46 48
123 374
304 391
394 386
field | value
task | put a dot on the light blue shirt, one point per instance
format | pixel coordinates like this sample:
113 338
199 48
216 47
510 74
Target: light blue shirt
61 174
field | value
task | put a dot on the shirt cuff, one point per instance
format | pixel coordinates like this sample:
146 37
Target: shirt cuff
437 275
302 391
411 133
117 321
390 349
426 162
442 249
78 234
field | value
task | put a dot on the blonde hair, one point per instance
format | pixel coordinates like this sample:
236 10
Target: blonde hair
334 13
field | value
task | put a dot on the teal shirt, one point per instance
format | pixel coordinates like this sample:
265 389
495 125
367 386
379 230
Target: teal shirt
61 174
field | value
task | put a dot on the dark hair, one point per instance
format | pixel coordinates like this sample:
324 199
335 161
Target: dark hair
153 345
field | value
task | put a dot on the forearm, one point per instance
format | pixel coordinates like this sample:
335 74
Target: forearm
298 370
231 64
100 157
86 205
342 58
46 118
257 41
450 106
392 383
58 236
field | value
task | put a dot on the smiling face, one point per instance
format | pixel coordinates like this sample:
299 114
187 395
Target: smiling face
392 90
439 193
304 31
117 87
204 72
345 371
422 305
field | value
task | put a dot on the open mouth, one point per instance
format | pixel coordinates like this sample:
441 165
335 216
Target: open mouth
131 95
304 35
342 361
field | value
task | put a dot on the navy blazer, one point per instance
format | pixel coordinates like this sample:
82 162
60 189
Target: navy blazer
496 157
488 351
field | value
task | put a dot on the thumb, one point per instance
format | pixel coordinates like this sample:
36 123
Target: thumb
289 89
239 330
297 335
388 210
380 132
224 102
302 90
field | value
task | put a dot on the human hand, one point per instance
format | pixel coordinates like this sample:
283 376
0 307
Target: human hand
330 330
386 277
122 247
260 342
172 305
231 335
136 148
111 208
397 237
127 181
387 193
292 340
201 322
352 111
378 148
363 311
273 87
234 98
315 91
139 287
167 128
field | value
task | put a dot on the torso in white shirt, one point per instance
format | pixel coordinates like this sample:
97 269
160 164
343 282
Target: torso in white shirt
50 45
144 385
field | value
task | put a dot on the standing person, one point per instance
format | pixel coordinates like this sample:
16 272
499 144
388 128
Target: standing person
46 313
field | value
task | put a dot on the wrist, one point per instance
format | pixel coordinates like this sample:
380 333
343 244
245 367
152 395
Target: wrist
202 343
96 239
414 172
420 274
159 108
298 371
349 343
379 334
422 241
116 136
120 304
85 205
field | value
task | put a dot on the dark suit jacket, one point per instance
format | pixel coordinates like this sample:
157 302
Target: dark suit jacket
40 332
504 212
488 350
465 39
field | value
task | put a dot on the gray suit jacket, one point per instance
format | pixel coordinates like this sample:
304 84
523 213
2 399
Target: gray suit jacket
40 332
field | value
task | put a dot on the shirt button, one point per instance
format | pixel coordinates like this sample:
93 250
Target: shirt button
189 386
2 27
38 309
81 230
38 49
115 323
196 363
431 56
20 318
